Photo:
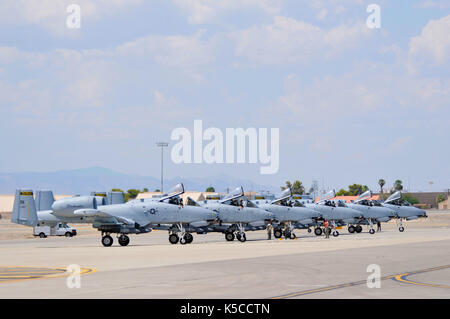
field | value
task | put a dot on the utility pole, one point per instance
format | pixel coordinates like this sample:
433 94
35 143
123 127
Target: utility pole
162 145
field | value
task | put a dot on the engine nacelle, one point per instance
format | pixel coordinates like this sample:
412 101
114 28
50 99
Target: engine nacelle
66 206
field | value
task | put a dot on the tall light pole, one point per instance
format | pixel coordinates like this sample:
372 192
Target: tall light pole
162 145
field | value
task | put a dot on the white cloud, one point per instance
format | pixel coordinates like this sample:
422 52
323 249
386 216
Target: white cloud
432 46
178 51
52 15
288 41
205 11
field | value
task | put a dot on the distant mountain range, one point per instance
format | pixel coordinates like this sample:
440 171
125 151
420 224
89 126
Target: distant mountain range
83 181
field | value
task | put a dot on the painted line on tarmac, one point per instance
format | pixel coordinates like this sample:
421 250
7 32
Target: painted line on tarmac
361 282
403 278
10 274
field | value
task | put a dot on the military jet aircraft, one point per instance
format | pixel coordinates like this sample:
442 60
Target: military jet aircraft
338 215
237 214
134 217
288 214
403 209
371 211
50 212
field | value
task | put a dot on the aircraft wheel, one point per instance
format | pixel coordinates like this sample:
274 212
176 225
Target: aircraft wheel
318 231
189 238
372 231
358 229
351 229
242 238
107 241
309 230
173 239
277 233
335 233
229 236
124 240
293 236
287 234
401 229
42 235
183 240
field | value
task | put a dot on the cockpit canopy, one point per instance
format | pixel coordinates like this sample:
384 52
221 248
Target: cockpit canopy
364 196
396 199
175 191
331 194
191 202
397 195
283 197
236 193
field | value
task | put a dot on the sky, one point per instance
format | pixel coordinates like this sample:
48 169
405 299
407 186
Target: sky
353 104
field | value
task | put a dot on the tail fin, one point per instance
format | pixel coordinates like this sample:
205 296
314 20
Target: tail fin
100 198
24 211
115 198
44 200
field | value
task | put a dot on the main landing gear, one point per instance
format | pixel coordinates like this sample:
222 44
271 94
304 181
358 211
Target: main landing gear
183 238
239 234
107 240
318 231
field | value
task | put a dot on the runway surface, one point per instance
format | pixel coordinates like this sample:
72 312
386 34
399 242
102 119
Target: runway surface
413 264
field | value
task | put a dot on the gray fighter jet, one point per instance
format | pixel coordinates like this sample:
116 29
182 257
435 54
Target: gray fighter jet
237 214
403 209
288 214
50 212
337 214
134 217
371 211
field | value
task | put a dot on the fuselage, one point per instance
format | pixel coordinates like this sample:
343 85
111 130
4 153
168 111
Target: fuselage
342 214
292 214
231 214
373 213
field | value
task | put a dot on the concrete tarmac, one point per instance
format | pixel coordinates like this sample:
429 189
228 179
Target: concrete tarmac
413 264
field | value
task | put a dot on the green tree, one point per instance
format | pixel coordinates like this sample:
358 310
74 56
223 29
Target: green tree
409 198
381 182
157 190
297 187
133 193
440 198
116 190
398 185
210 189
357 189
353 190
145 190
343 192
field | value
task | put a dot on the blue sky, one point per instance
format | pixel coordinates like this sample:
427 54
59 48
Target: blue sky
353 104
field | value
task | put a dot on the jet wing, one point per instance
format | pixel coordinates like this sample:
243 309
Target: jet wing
101 215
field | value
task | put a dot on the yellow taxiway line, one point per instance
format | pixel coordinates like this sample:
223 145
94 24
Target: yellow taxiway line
19 273
399 278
